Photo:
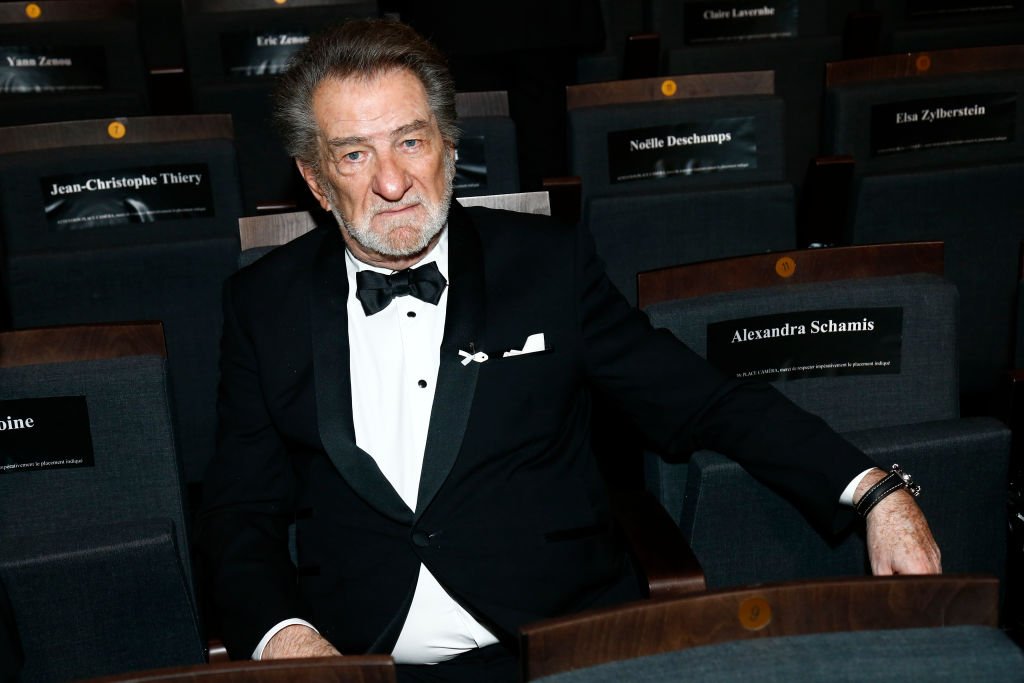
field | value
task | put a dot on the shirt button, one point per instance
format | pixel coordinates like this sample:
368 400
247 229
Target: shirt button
411 314
422 383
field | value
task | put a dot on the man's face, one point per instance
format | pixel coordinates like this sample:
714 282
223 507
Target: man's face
386 172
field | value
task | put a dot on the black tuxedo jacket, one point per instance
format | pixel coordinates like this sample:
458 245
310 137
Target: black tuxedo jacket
512 516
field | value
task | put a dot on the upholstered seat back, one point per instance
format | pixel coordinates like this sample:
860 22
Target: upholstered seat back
605 141
94 528
918 312
129 229
634 233
69 61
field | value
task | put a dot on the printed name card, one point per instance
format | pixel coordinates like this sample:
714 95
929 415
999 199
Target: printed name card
79 201
848 341
470 163
943 122
729 20
252 53
29 69
44 434
682 149
920 9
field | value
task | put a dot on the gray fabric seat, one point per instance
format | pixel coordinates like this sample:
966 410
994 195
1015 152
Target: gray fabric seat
849 127
956 653
589 128
741 532
100 600
828 629
652 222
976 211
634 233
11 655
94 544
487 159
796 46
799 65
957 181
924 389
679 217
104 75
154 258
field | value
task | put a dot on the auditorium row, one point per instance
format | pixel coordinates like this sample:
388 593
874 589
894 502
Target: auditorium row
834 185
96 515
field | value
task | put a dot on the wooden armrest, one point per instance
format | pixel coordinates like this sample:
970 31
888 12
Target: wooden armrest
87 341
363 668
566 195
662 555
648 627
216 652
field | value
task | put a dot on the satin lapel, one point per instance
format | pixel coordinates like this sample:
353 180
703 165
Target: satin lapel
329 325
463 329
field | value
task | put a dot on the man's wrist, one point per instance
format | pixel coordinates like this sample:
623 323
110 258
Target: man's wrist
257 654
889 483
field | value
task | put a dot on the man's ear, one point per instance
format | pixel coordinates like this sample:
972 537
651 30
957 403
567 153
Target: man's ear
309 175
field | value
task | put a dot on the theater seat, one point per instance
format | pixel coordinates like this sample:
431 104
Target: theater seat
67 60
939 154
350 669
680 169
94 543
793 39
487 157
889 387
923 627
127 219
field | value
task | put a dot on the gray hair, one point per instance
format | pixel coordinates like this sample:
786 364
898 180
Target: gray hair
366 48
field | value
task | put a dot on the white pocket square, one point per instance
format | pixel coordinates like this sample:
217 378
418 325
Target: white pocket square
534 344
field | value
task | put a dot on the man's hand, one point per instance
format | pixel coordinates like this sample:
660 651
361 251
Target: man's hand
298 641
898 538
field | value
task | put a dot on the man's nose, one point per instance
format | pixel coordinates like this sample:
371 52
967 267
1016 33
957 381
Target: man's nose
391 181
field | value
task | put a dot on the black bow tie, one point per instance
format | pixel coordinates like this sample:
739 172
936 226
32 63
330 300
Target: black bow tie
376 290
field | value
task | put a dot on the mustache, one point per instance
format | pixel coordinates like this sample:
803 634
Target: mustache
405 202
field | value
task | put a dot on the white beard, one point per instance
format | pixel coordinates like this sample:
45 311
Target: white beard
382 241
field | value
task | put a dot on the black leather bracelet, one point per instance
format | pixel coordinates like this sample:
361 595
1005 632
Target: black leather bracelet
894 481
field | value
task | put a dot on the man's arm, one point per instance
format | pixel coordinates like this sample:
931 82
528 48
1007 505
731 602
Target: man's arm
898 538
683 404
297 641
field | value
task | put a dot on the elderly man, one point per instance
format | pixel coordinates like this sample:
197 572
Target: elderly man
412 390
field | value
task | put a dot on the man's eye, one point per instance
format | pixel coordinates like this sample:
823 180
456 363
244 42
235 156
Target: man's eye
353 156
410 143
